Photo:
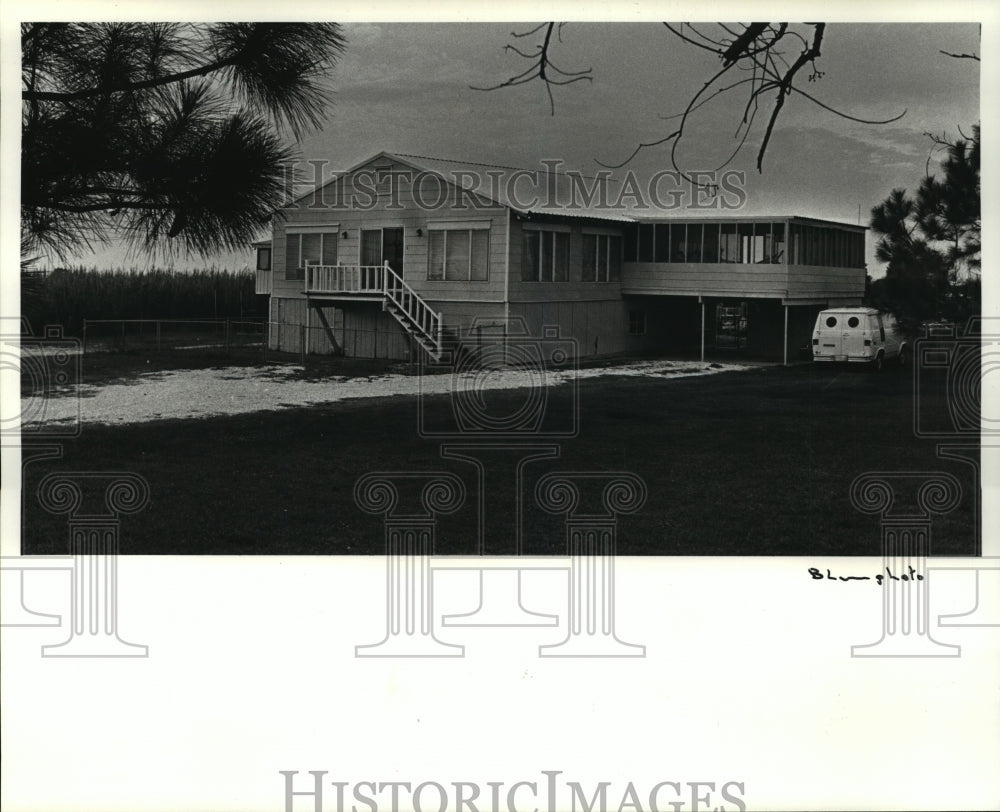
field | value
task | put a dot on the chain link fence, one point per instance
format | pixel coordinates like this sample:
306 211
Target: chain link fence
109 335
274 341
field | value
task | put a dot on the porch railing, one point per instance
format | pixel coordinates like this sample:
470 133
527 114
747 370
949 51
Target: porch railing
344 279
398 297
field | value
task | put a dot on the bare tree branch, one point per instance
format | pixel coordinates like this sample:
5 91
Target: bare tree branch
542 67
754 49
960 56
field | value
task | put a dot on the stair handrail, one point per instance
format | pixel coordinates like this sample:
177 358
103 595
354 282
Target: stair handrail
421 314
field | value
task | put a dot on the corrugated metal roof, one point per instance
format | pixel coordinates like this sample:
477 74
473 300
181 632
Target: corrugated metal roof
585 214
537 191
737 218
547 191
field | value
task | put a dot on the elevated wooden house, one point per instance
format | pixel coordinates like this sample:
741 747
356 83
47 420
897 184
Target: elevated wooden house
394 257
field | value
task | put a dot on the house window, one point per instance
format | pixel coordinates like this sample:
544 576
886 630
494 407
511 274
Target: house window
812 246
631 243
458 255
614 258
694 237
744 240
602 258
710 244
778 243
312 247
678 243
264 258
588 261
646 237
637 322
762 243
729 243
545 257
661 242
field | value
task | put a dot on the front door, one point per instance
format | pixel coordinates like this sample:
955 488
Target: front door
371 246
392 248
380 245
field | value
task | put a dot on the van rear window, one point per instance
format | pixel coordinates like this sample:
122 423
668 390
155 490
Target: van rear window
831 321
853 321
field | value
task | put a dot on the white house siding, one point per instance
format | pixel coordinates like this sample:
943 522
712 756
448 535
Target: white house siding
287 316
364 330
593 314
596 327
810 282
707 279
349 208
360 329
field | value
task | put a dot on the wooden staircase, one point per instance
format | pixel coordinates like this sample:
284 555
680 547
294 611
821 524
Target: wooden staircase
421 322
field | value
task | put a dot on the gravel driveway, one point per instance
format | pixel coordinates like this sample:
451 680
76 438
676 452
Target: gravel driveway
219 391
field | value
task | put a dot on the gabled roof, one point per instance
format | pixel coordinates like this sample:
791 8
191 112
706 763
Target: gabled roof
553 189
495 183
389 156
550 189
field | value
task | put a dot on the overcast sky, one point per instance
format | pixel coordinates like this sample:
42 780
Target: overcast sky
405 88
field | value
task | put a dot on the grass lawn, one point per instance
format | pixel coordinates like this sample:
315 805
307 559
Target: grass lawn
741 463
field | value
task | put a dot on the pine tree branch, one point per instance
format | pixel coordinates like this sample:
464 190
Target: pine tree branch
119 87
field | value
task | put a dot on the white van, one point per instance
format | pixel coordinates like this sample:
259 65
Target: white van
858 335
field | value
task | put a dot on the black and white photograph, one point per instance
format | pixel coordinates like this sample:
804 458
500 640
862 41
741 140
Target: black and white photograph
432 410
